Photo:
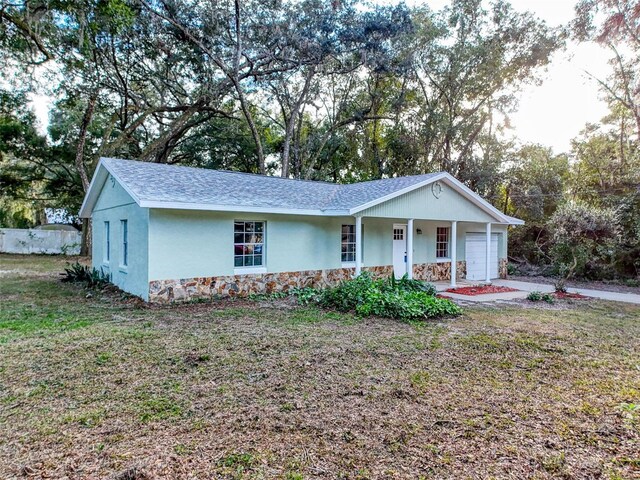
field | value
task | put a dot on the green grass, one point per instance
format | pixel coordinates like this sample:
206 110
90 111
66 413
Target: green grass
268 389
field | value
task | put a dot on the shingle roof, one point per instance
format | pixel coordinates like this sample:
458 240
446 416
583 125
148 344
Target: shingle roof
154 182
154 185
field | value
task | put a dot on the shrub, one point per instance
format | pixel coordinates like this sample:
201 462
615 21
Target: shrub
584 240
305 295
403 298
539 296
534 296
407 284
92 277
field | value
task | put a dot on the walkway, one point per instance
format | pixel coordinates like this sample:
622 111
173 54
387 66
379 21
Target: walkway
526 287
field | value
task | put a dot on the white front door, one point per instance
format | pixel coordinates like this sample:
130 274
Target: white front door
476 256
399 250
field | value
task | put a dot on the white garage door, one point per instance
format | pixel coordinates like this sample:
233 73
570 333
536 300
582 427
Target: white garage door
476 256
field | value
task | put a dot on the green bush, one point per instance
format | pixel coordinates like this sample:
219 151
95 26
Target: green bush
92 277
584 239
403 298
305 295
539 296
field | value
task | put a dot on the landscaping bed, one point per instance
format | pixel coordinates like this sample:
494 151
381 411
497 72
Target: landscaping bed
568 295
480 290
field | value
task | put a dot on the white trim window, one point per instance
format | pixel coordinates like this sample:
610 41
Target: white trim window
443 235
107 243
348 244
248 243
124 224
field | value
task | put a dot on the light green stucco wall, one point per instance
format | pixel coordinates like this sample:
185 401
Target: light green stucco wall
422 204
187 244
113 205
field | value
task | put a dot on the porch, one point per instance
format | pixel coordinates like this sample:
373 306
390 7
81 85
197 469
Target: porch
430 249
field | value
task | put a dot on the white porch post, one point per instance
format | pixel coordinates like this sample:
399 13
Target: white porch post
488 252
454 252
410 248
358 245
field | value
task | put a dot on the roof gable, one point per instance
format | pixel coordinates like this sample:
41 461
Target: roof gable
112 194
434 201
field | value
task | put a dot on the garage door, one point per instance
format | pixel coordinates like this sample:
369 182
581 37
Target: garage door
476 256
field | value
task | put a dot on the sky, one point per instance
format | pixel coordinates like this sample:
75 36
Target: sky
552 113
555 112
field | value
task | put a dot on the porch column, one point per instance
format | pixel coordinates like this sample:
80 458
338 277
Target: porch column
453 254
488 252
358 245
410 248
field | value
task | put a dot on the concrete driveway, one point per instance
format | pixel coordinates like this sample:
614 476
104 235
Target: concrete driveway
525 287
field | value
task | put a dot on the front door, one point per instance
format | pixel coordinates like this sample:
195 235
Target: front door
399 250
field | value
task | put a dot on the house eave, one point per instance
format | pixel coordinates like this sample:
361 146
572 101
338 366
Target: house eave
156 204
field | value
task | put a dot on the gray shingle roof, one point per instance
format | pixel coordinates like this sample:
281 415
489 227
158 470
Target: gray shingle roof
154 182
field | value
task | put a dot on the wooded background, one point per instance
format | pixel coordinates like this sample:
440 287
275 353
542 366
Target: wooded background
333 90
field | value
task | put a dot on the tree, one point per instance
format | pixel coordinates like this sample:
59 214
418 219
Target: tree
535 183
606 174
468 60
584 238
278 45
620 31
126 87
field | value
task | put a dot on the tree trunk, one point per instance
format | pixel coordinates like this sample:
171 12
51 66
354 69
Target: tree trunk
291 123
241 97
85 246
254 130
85 242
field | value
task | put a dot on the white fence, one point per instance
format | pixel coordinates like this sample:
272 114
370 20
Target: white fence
14 240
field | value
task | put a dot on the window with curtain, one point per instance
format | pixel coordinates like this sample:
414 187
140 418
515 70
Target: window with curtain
248 243
348 243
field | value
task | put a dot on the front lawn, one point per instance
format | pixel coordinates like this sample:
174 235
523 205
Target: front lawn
95 386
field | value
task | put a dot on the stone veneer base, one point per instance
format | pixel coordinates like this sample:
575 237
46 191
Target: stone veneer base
202 288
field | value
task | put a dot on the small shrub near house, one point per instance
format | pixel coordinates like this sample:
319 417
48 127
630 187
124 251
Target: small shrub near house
403 298
91 277
540 297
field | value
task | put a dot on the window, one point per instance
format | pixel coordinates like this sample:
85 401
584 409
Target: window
125 243
348 243
398 233
107 242
442 242
248 244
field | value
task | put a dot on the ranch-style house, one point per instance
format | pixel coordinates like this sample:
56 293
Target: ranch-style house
171 233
